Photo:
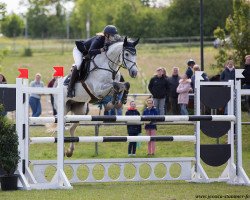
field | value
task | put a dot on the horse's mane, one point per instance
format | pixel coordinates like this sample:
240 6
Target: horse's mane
119 39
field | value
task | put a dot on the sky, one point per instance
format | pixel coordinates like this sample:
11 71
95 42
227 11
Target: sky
12 5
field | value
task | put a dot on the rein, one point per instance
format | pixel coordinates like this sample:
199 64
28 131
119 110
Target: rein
124 65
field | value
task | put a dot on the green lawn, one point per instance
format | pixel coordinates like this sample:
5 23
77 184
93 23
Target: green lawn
149 58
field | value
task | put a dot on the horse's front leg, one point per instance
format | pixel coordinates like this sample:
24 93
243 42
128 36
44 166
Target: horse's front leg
71 148
121 91
125 93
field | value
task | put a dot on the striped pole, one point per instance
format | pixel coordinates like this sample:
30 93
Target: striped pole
155 118
85 139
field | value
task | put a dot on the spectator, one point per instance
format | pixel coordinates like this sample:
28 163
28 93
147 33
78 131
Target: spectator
189 71
246 73
133 130
150 127
158 86
183 90
2 79
246 81
35 99
204 76
229 71
166 106
51 85
173 95
228 74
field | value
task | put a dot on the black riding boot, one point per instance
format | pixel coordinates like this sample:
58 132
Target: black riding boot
85 68
71 91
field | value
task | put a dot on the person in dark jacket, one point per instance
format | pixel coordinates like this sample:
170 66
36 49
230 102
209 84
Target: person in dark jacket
166 106
88 49
189 71
229 71
150 127
246 81
204 76
228 74
133 130
246 73
158 87
173 82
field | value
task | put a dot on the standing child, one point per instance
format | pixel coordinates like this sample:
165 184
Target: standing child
183 89
133 130
151 127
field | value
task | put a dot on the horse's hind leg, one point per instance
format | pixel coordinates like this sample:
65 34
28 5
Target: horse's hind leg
71 148
77 109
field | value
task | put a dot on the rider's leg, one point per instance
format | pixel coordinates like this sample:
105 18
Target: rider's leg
72 83
77 55
84 70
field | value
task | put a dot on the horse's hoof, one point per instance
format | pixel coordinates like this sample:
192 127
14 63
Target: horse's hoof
69 153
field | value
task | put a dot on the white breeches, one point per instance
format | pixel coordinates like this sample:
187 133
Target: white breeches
77 55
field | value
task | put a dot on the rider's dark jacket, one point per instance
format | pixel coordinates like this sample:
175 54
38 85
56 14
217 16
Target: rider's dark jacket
91 46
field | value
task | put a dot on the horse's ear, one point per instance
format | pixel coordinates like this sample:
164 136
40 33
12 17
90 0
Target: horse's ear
136 42
125 41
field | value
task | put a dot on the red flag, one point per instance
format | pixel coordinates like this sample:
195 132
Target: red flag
58 71
24 73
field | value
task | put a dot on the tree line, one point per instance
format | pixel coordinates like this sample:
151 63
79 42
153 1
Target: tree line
135 18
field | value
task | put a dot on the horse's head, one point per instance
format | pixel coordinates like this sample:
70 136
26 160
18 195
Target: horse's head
123 54
129 57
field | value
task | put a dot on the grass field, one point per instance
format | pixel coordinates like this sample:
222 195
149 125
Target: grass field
150 56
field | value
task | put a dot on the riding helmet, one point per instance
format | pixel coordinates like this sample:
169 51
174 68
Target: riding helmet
110 29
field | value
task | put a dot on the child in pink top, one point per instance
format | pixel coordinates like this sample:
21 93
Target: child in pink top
183 89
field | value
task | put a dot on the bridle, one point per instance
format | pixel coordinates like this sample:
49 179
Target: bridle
124 65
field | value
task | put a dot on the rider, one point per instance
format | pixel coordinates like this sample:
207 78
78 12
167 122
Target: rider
87 50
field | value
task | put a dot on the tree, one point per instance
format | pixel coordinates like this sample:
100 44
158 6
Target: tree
46 18
126 20
57 22
98 12
182 17
12 26
37 21
2 10
238 27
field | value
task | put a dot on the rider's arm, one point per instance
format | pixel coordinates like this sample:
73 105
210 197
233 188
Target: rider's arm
96 45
